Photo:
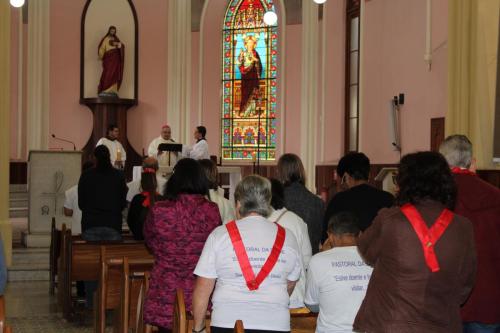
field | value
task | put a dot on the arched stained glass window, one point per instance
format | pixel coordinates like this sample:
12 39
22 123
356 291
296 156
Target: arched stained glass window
250 50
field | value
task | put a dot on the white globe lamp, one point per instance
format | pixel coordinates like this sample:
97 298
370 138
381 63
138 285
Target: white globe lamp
270 18
17 3
319 2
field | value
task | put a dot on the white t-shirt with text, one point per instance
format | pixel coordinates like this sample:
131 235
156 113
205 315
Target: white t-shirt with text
265 308
337 280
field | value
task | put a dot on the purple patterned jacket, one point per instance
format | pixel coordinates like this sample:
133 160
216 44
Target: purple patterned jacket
175 232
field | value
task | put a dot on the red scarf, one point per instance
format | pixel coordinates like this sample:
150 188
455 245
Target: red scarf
428 236
460 171
147 200
253 282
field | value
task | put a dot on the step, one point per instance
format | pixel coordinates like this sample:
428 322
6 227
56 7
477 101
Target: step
29 264
15 188
18 195
18 212
18 202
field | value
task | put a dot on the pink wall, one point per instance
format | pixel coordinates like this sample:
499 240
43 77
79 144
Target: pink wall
71 120
211 66
394 46
145 120
68 119
292 88
334 25
14 80
393 63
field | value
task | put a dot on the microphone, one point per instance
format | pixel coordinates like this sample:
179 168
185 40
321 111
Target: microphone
64 140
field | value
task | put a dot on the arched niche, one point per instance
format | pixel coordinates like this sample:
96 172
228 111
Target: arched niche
97 17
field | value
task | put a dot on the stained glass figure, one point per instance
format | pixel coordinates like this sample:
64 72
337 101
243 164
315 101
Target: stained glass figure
249 81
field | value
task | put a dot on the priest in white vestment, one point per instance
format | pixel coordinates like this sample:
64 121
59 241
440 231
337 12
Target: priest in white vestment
117 153
199 150
164 158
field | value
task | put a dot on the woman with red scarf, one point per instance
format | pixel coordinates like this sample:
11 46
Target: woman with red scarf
142 202
423 255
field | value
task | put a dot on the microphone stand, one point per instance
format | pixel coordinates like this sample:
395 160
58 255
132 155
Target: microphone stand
64 140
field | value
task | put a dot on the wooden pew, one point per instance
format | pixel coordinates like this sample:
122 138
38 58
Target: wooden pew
238 327
140 326
2 313
55 251
111 294
81 261
135 278
179 322
301 321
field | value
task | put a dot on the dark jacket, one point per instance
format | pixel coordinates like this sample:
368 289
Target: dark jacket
403 294
309 207
363 200
480 203
101 198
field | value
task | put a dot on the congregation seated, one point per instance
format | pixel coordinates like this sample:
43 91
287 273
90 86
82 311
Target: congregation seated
360 198
335 287
258 297
423 254
479 201
134 187
175 231
292 222
142 202
299 199
215 193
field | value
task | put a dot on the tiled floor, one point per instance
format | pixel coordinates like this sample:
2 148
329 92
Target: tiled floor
30 309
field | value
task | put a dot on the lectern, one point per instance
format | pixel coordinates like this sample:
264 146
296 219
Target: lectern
50 174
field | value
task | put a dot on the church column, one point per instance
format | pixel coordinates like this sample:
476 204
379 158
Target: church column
309 103
179 69
5 227
38 75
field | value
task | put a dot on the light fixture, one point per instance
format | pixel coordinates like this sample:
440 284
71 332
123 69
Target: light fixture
17 3
270 18
319 2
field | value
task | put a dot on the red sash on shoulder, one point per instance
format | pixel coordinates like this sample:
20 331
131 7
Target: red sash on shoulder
428 237
253 282
460 171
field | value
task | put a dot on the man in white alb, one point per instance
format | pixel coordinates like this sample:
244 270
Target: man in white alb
164 158
199 150
337 279
117 153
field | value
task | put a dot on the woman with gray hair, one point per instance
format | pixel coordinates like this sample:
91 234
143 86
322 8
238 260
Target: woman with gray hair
255 263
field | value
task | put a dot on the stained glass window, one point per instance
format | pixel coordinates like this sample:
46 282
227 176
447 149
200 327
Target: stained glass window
250 50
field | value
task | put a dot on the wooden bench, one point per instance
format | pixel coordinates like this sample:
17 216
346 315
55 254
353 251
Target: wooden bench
55 251
238 327
81 261
117 289
301 321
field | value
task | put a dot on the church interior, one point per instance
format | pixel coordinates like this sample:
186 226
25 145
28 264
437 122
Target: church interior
264 78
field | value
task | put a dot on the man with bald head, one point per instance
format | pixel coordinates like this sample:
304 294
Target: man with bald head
163 157
134 187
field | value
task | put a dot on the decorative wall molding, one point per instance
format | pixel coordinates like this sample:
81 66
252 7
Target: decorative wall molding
38 75
179 69
309 102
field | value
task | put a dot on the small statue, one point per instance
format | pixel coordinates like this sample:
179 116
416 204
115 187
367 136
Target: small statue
112 52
